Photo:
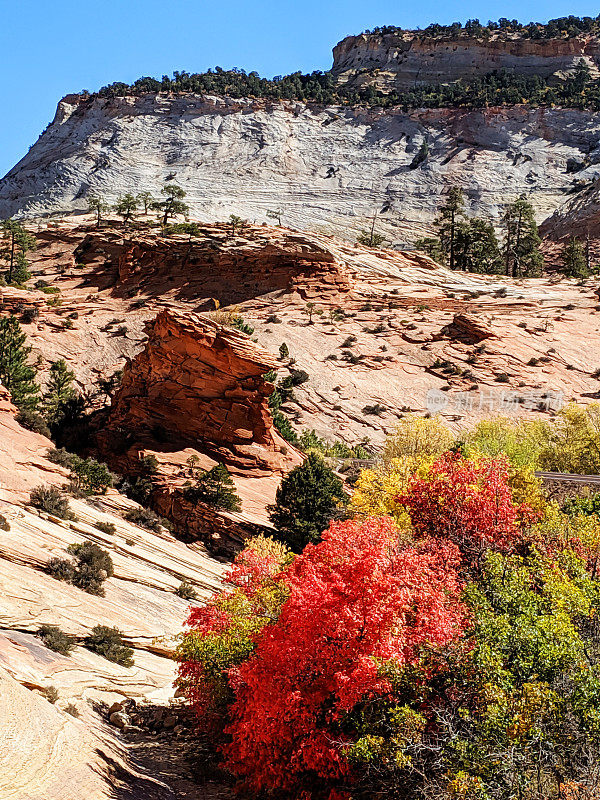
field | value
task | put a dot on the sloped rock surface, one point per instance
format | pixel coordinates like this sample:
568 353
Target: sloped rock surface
324 168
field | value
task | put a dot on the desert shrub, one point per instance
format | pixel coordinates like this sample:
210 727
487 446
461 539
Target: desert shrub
72 709
33 421
91 567
88 476
51 500
186 591
306 502
108 642
216 488
55 639
4 523
50 693
375 410
144 517
106 527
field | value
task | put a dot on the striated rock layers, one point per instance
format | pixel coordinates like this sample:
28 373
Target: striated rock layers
405 59
202 384
324 168
198 389
215 265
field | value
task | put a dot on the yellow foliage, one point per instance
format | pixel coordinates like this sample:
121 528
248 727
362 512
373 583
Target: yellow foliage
376 489
417 439
573 443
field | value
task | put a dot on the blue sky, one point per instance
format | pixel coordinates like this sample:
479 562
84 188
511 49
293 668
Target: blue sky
52 48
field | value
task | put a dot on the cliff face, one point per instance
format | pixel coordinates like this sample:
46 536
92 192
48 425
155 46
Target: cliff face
201 385
326 169
407 59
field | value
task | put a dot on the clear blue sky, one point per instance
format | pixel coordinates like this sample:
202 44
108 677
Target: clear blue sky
52 48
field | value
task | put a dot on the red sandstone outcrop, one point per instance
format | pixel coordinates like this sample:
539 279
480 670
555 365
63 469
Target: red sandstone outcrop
215 265
200 384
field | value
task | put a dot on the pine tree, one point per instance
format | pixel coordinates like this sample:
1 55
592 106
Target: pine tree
305 503
15 373
216 488
450 214
476 247
146 199
97 206
522 256
173 202
16 243
20 272
574 260
59 393
126 207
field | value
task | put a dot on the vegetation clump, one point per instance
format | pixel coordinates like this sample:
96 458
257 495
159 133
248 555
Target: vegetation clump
108 643
53 638
216 488
91 566
306 502
51 500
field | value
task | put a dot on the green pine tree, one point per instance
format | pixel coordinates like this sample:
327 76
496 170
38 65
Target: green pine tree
15 243
20 272
305 503
126 207
216 488
59 393
449 217
15 373
574 260
522 256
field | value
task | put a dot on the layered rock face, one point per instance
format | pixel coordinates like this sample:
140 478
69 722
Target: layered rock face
216 265
200 384
407 59
326 169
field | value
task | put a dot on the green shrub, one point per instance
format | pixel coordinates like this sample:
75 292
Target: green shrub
108 642
92 566
55 639
51 500
144 517
186 591
106 527
216 488
88 475
33 421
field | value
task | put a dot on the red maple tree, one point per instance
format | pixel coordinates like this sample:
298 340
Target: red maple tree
468 502
357 600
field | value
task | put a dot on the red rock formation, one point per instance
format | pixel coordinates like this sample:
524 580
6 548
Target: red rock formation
200 384
216 266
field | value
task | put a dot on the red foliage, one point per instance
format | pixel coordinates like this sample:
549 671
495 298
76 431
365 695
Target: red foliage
357 599
466 502
231 619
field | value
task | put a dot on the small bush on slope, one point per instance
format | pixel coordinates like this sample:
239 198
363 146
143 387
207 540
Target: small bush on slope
108 642
91 568
55 639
